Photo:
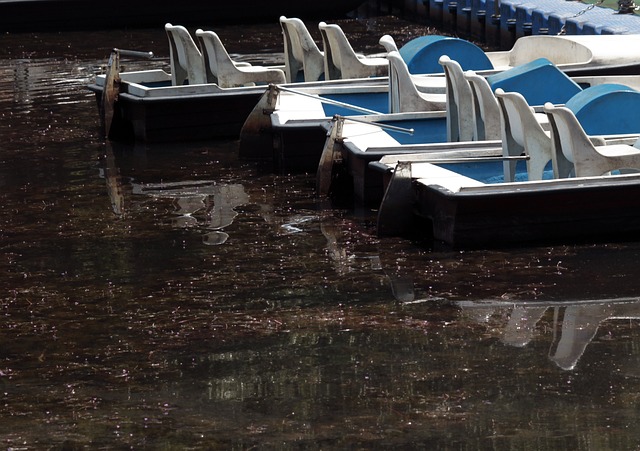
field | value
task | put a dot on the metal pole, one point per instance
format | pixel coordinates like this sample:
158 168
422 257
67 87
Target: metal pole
329 101
134 53
408 131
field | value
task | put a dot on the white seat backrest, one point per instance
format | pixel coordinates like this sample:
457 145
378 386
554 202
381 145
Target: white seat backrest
342 62
293 53
404 97
485 107
301 51
230 74
388 43
400 83
521 131
588 159
511 135
571 136
567 130
460 121
215 56
513 115
187 64
208 57
333 50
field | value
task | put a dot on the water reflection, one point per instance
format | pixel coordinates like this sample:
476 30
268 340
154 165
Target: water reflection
205 205
210 206
202 204
115 182
574 325
121 328
31 80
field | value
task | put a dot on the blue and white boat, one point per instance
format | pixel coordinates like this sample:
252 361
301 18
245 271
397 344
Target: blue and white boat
152 106
354 143
286 121
469 202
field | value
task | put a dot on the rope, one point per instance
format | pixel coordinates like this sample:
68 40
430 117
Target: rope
579 13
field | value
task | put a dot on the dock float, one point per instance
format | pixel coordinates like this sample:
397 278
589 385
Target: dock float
499 23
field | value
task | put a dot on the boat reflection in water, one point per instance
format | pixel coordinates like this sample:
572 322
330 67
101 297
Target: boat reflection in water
201 204
209 207
123 329
206 205
574 325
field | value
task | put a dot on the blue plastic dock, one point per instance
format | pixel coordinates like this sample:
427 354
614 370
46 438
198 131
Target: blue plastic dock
501 22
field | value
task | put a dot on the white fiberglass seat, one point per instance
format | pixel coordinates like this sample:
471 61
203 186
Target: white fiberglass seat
300 51
342 62
404 97
588 159
460 112
388 43
430 84
486 109
210 62
230 74
187 66
522 133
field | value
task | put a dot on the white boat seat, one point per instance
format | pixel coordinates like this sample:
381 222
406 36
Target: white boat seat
486 111
522 133
588 159
301 54
460 112
428 84
404 97
229 74
210 62
187 65
388 43
342 62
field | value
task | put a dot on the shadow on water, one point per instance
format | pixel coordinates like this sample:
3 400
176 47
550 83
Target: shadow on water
175 297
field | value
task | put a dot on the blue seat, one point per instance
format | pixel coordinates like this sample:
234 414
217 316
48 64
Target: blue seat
607 109
539 81
422 54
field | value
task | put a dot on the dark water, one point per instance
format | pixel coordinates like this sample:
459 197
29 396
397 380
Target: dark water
173 297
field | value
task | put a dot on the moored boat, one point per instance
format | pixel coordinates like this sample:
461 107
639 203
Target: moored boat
206 94
467 203
353 144
465 213
151 108
284 122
